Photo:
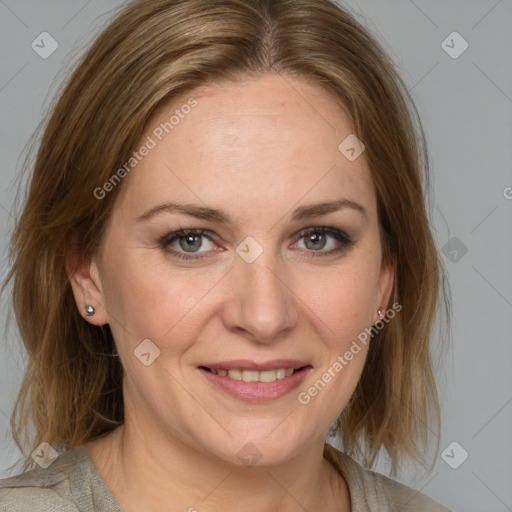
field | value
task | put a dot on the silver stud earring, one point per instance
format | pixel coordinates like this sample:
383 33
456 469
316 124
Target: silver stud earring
381 315
89 310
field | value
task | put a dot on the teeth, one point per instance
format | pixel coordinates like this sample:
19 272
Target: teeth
282 373
234 374
268 375
254 375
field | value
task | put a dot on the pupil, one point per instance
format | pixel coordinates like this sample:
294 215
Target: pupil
190 240
316 237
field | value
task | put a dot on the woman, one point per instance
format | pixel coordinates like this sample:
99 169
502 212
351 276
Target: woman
225 251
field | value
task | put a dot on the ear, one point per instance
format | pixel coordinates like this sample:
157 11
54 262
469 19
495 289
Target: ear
385 286
85 282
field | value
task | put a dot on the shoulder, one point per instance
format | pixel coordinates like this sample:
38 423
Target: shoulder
373 491
44 489
33 499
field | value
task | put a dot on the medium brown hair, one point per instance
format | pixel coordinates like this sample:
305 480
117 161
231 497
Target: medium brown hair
152 51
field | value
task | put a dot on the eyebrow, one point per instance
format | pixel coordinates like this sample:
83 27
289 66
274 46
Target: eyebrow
219 215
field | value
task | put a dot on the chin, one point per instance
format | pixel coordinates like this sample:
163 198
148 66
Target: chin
259 448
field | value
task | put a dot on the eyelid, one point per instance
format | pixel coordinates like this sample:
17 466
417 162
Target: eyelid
167 239
324 228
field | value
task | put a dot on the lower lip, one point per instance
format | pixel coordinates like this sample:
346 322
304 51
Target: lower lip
256 392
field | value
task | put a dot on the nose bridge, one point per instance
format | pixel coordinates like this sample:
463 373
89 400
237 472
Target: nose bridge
263 303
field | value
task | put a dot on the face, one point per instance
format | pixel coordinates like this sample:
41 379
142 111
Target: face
262 281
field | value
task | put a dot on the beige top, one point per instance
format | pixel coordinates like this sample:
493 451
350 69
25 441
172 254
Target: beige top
72 484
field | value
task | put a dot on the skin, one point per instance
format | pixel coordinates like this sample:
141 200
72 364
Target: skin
258 149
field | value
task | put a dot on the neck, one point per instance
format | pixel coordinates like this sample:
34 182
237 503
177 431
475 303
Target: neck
149 472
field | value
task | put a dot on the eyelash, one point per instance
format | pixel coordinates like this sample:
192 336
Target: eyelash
339 235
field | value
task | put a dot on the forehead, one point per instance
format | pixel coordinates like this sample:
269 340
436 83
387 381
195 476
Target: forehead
269 143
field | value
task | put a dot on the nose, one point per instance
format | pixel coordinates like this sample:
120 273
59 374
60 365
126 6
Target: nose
261 303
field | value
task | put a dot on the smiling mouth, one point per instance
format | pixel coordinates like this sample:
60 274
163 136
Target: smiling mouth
255 375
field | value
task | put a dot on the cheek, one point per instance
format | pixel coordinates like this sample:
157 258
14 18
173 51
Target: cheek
342 315
343 299
148 299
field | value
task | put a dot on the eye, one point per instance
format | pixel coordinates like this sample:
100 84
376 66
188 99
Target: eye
317 238
185 244
188 240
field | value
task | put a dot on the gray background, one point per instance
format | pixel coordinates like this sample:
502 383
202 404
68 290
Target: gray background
466 108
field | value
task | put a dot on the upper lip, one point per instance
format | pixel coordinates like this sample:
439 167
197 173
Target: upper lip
247 364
